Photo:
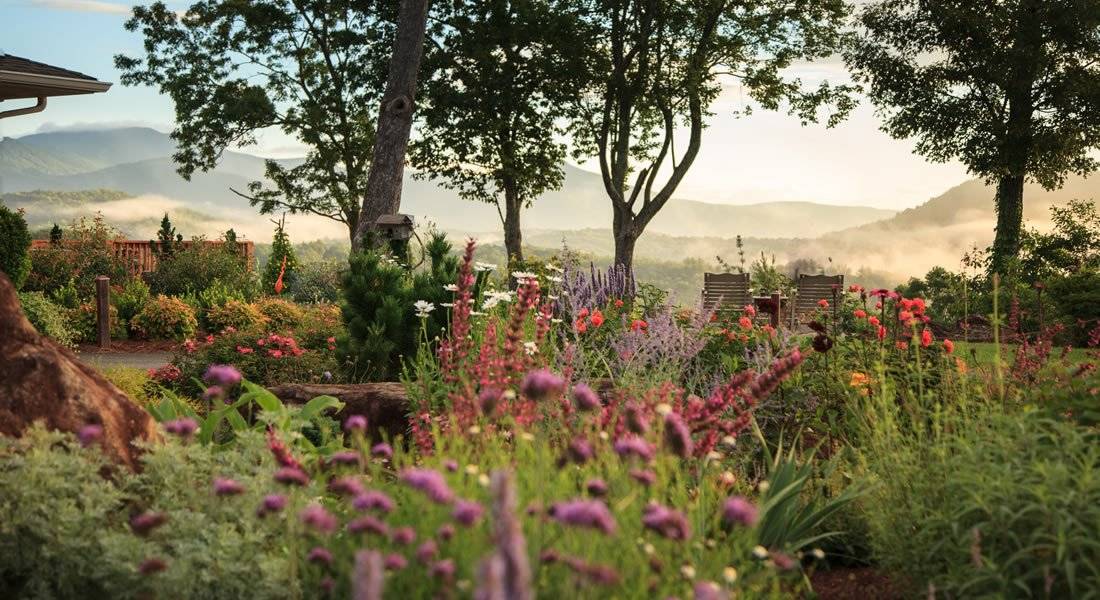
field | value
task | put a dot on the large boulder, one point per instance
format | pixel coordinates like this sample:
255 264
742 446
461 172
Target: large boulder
41 381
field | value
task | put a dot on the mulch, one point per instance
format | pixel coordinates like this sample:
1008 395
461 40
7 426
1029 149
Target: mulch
854 583
131 347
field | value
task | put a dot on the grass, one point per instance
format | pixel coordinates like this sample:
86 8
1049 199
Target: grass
985 353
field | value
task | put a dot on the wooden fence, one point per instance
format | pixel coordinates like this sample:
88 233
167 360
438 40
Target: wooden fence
141 257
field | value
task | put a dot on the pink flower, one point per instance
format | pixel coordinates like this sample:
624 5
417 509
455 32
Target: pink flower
244 350
431 483
271 503
225 376
291 476
597 318
318 518
89 434
670 523
227 487
745 323
644 476
584 513
356 423
147 521
823 303
394 562
949 346
373 500
184 427
369 524
426 551
859 313
739 510
382 450
444 569
467 512
677 435
596 487
346 457
404 536
446 531
541 384
628 445
584 398
346 486
926 338
320 555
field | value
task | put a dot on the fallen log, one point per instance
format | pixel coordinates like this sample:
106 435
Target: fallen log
384 404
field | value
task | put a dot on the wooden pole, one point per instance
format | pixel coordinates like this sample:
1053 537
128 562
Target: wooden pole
776 303
103 310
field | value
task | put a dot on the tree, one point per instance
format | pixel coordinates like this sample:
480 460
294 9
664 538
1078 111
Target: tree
1009 87
659 64
15 241
166 238
311 68
56 235
382 191
501 75
283 263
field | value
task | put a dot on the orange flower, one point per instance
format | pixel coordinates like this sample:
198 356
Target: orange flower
823 303
638 324
949 346
581 326
874 321
750 310
618 303
905 316
597 318
745 323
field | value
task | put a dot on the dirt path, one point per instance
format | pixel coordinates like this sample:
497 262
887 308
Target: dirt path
136 360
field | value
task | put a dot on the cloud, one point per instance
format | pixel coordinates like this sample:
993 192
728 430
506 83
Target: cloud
94 6
52 126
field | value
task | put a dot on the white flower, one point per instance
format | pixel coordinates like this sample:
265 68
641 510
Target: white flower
483 480
556 320
474 313
480 266
447 304
688 571
553 279
450 287
763 486
423 307
554 268
524 275
760 552
729 574
818 553
530 348
494 298
663 409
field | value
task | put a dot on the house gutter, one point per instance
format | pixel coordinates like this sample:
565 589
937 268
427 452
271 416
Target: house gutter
37 108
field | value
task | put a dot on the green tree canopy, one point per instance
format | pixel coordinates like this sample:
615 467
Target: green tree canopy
311 68
656 68
1009 87
500 77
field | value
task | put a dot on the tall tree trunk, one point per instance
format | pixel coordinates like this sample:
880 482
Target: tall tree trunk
382 194
1010 220
626 235
513 234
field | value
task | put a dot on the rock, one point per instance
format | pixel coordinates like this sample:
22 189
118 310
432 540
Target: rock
385 404
41 381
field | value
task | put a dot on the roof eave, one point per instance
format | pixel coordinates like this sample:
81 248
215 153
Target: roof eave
52 85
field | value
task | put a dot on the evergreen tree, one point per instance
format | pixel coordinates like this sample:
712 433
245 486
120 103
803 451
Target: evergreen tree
281 249
55 235
166 237
15 241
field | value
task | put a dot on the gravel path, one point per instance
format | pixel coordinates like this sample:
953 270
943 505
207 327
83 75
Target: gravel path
136 360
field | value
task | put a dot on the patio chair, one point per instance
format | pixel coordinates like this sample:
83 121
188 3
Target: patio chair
726 291
814 288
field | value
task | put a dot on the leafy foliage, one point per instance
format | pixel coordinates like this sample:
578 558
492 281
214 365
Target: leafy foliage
48 318
200 266
165 318
15 240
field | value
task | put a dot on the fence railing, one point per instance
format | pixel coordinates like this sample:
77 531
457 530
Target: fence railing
141 257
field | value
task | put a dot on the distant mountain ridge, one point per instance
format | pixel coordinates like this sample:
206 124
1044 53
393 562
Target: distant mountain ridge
138 161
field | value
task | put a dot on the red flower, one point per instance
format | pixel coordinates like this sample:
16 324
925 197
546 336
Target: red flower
874 321
244 350
823 303
750 310
905 316
949 346
881 333
859 313
902 345
638 325
597 318
926 338
745 323
580 325
583 313
618 303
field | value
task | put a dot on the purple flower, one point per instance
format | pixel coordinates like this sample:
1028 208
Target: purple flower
346 486
580 451
431 483
668 522
467 512
596 487
644 476
184 427
708 590
356 423
382 450
450 465
152 565
346 457
541 383
320 555
487 400
271 503
318 518
677 435
213 392
636 421
226 376
426 551
227 487
584 398
637 446
394 562
446 531
327 584
443 569
147 521
403 536
368 524
89 434
584 513
783 562
373 500
291 476
739 510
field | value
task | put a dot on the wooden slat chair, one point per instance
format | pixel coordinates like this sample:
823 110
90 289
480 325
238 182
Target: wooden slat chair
726 291
812 288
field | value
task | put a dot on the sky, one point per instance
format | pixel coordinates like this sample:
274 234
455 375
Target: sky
759 158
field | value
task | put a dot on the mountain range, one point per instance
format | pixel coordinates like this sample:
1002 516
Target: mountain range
128 175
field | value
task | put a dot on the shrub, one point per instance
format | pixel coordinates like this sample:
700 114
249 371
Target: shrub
84 254
214 296
48 318
14 242
135 383
84 320
130 298
264 359
321 323
281 315
276 268
378 308
1077 298
236 314
317 282
165 318
201 266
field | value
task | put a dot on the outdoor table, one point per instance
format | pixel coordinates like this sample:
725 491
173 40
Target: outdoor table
772 305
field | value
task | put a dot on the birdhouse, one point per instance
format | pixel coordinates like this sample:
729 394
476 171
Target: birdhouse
394 228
